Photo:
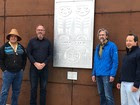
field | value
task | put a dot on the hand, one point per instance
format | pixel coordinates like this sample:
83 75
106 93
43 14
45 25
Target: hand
93 78
38 65
134 89
43 65
118 85
111 79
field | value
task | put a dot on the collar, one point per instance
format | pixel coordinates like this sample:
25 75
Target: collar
104 43
132 49
14 46
40 40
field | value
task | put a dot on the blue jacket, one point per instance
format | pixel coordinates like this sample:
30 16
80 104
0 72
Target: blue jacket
107 64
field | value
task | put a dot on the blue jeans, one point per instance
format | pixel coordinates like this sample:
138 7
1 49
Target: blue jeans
105 90
14 79
40 76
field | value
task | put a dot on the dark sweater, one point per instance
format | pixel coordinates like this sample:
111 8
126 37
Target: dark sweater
39 50
11 61
130 70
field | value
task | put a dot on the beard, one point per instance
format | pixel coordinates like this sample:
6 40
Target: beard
102 40
40 36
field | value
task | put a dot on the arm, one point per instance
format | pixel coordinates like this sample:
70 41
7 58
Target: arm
24 58
114 56
49 54
2 56
93 69
29 52
137 77
119 82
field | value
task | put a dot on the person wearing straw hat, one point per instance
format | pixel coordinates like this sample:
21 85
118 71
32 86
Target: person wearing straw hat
39 53
12 62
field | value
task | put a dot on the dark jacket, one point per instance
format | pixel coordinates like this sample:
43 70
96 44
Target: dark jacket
11 61
39 50
130 70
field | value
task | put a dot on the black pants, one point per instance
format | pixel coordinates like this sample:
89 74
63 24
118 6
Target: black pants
38 76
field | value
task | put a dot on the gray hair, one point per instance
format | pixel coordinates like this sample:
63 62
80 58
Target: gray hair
40 25
103 29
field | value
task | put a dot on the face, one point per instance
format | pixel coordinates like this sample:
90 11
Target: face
102 36
13 39
130 42
40 31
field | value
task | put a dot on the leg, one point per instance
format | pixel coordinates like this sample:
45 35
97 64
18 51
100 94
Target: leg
108 90
101 90
43 84
124 97
7 81
16 86
133 97
34 84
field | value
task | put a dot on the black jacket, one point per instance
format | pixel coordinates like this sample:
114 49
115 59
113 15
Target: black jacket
130 70
39 50
11 61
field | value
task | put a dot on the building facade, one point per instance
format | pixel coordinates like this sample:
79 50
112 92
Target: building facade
118 17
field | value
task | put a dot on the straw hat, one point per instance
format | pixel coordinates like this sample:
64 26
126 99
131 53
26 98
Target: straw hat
14 32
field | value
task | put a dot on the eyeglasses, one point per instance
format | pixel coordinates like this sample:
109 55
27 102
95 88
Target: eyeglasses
102 34
40 30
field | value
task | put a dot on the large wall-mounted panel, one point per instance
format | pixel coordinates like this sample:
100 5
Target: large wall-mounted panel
117 5
73 33
29 7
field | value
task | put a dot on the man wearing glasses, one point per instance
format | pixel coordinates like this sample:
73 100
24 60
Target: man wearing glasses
105 67
39 53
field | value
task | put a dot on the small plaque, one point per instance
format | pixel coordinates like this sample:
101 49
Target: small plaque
71 75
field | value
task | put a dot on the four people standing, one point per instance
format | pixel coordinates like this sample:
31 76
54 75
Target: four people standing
13 60
105 67
39 53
